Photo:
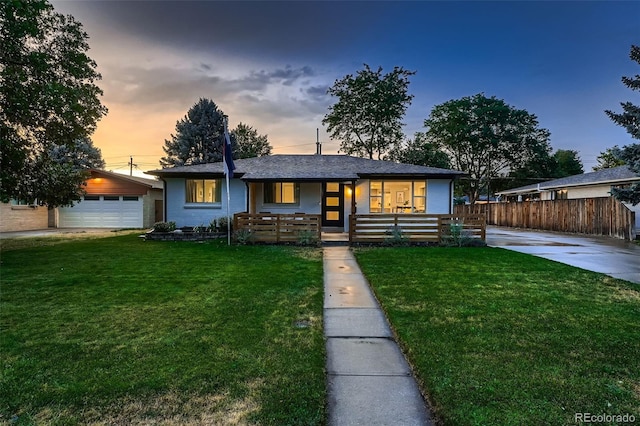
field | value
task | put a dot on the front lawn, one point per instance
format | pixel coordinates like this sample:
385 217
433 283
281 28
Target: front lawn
121 331
503 338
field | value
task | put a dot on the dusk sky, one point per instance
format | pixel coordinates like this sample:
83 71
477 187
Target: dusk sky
269 64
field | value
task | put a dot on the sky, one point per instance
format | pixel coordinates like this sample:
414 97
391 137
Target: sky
269 64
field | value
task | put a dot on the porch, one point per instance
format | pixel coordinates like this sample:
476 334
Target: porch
364 228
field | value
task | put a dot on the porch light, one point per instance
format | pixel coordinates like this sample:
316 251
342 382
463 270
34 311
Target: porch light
349 190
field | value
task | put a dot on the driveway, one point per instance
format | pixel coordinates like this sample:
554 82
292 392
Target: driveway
54 232
617 258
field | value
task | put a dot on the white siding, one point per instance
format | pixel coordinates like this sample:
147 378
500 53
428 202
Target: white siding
102 214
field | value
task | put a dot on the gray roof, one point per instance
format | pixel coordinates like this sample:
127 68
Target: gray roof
308 167
613 175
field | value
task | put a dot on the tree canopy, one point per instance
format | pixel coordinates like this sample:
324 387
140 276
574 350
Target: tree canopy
248 143
630 120
367 115
485 138
419 151
567 163
198 138
608 159
49 103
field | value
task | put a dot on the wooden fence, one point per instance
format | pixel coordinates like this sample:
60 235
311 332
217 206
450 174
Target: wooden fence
277 228
594 216
429 228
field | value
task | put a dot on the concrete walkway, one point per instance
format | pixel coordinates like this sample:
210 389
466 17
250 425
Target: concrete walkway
369 380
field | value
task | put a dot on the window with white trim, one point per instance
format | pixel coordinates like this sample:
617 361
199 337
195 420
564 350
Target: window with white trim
203 191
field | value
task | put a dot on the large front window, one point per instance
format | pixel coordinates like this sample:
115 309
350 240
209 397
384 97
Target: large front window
389 196
282 193
204 190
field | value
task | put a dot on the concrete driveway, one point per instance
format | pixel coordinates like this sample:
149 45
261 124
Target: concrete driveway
617 258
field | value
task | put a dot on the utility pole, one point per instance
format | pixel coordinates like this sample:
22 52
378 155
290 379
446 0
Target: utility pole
131 165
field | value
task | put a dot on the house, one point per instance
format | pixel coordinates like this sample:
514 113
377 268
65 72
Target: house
113 200
587 185
333 186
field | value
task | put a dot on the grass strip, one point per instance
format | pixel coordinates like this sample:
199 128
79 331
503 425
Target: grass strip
117 330
503 338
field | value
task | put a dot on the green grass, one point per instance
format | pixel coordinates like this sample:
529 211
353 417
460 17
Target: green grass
503 338
119 331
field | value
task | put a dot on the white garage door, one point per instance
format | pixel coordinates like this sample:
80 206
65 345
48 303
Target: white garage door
108 211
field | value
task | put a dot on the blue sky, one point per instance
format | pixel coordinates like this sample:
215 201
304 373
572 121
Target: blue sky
268 64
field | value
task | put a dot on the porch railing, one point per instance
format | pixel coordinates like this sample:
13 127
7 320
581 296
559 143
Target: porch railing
428 228
278 228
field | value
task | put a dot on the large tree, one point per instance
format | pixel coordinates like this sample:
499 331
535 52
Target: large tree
248 143
485 137
368 114
630 120
420 151
568 163
198 138
48 100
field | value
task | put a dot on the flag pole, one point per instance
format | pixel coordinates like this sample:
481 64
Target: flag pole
227 158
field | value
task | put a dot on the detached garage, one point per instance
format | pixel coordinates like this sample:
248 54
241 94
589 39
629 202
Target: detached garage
114 200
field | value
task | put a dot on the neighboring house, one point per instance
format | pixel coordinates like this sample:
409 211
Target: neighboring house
587 185
21 216
113 200
312 184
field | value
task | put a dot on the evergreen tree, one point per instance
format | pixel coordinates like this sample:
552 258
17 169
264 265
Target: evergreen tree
568 163
199 137
630 120
248 143
609 159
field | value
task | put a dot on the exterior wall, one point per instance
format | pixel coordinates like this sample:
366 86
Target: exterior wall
439 196
310 200
149 207
22 218
98 185
594 191
183 215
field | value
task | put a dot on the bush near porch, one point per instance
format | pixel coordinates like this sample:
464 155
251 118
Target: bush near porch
121 331
503 338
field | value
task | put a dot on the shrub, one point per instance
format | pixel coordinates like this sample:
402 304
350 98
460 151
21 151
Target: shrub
243 237
212 225
308 238
458 237
222 224
395 237
164 226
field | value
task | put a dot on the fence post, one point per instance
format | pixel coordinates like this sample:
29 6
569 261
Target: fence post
277 228
352 224
439 229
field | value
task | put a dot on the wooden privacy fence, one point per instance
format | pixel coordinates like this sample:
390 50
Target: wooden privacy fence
277 228
429 228
594 216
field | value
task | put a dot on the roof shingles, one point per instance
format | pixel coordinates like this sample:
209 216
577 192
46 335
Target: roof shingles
309 167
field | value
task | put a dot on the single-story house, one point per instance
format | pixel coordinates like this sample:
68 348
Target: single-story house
332 186
113 200
586 185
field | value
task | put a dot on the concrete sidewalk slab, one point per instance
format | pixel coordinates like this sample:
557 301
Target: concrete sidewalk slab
375 400
365 357
369 380
355 322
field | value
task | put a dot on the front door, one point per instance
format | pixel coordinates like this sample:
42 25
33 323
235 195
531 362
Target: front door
333 204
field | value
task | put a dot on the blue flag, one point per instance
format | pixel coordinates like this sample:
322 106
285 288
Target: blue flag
229 167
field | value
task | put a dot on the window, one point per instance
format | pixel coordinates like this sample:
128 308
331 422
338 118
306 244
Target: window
398 196
91 198
561 194
129 198
22 203
282 193
111 198
203 190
